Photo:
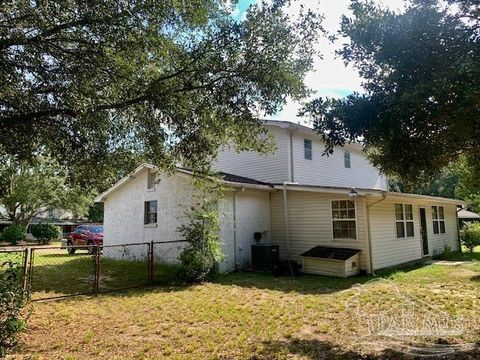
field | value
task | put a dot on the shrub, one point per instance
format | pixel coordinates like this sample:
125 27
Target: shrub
470 235
14 234
12 299
200 257
45 233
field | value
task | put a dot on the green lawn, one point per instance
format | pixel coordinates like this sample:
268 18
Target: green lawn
57 273
249 316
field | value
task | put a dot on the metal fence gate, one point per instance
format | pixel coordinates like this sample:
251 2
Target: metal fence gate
54 272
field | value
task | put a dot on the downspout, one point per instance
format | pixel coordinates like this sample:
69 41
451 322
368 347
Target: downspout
235 230
285 212
369 231
285 218
292 176
291 162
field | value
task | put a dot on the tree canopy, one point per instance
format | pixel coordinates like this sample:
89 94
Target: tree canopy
100 84
420 109
459 180
30 188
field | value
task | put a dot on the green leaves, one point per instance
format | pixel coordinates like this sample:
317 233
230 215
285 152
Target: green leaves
470 236
103 84
29 188
421 71
12 299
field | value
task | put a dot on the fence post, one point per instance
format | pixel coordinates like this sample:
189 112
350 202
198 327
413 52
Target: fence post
25 271
150 264
96 276
30 271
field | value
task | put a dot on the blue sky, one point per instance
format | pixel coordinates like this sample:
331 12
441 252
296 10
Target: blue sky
330 76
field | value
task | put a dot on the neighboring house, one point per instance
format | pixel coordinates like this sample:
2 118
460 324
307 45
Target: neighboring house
299 200
465 216
64 219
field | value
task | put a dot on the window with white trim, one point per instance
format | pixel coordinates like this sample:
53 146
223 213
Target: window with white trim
150 212
343 219
404 220
438 219
307 149
151 179
347 159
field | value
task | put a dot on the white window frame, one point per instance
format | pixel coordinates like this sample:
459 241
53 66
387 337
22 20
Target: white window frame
151 179
332 220
403 221
305 149
146 217
439 220
347 159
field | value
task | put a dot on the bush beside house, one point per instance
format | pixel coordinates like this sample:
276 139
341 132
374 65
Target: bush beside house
13 298
203 253
470 236
45 233
14 234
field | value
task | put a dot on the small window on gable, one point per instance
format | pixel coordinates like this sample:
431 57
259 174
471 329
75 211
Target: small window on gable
346 159
404 220
150 212
307 148
438 219
151 179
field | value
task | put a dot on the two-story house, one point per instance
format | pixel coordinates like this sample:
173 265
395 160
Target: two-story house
296 198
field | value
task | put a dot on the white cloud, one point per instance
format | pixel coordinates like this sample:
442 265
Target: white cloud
331 77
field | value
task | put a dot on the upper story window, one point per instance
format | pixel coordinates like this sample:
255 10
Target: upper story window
150 212
307 149
346 159
438 217
151 179
404 220
343 219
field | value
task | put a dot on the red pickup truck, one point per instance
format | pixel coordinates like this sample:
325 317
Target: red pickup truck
85 237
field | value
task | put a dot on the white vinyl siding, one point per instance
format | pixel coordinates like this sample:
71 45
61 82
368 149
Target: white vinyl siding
317 169
330 170
389 251
264 167
310 224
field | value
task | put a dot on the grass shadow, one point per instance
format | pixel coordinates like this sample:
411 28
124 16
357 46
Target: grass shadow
303 284
465 255
307 284
317 349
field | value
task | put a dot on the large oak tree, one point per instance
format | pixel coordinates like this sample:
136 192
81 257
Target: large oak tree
99 85
421 68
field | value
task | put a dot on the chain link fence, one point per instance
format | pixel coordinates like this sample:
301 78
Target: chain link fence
54 272
123 267
166 261
16 258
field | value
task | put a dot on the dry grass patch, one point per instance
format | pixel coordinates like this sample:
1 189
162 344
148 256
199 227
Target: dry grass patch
242 316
